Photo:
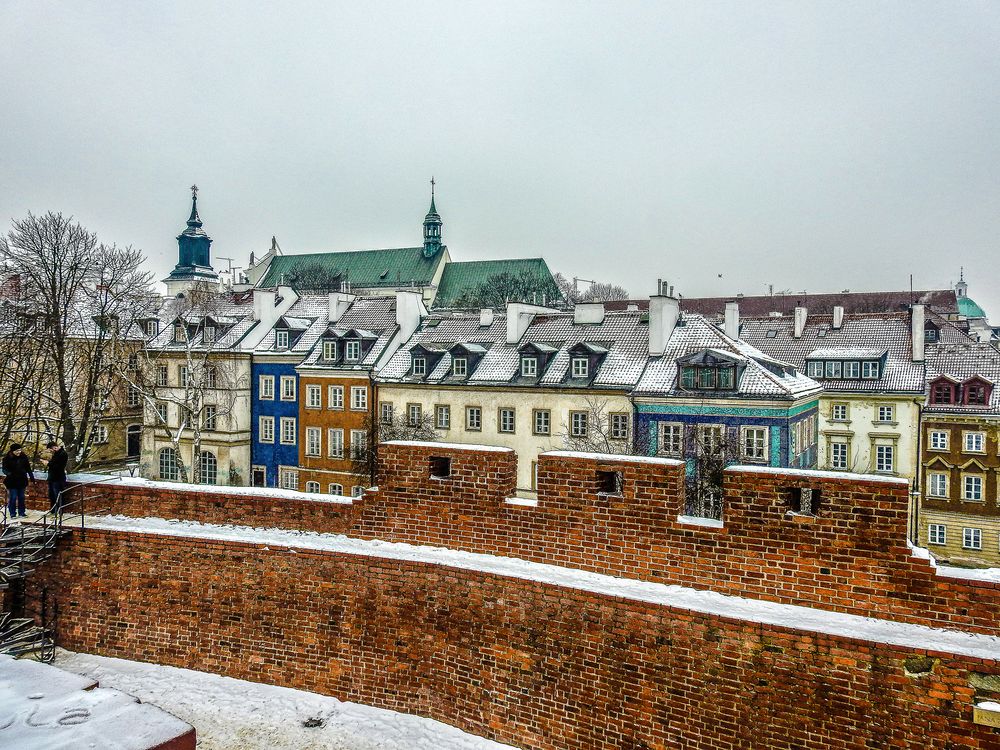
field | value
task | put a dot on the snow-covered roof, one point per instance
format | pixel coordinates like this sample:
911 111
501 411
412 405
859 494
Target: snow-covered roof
366 318
959 362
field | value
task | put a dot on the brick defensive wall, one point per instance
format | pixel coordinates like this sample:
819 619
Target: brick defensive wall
766 644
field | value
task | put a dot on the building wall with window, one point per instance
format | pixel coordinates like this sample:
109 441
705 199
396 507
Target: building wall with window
274 423
959 466
344 407
557 412
771 433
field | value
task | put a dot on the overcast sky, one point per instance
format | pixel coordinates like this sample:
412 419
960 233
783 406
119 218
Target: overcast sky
812 146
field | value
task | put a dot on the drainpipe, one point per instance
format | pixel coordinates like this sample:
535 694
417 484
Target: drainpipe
915 502
372 419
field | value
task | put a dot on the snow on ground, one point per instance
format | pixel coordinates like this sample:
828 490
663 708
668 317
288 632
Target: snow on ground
709 602
233 714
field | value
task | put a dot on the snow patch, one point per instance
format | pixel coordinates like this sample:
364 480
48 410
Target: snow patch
450 446
527 502
712 523
815 474
618 457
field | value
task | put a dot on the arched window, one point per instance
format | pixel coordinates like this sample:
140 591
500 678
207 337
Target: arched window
335 489
168 465
209 468
312 486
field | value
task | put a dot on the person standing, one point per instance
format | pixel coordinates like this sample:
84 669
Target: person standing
57 474
17 469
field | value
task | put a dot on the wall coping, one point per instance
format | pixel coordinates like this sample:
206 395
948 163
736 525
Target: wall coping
449 446
616 457
213 489
789 616
817 474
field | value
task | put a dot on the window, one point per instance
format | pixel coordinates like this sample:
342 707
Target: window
132 397
335 489
281 339
833 370
460 366
939 440
972 488
975 394
133 361
329 350
180 333
359 397
352 351
335 397
168 465
99 434
414 415
287 388
442 417
211 377
359 444
671 441
289 479
755 443
975 442
313 443
161 375
357 490
689 378
972 538
211 412
885 458
852 369
183 376
419 365
618 426
266 387
161 413
529 367
886 413
942 393
838 455
711 437
706 377
839 413
814 369
581 367
152 327
473 418
937 484
314 397
937 533
541 422
288 430
312 486
725 380
335 442
209 466
209 337
578 423
869 370
505 420
385 409
265 426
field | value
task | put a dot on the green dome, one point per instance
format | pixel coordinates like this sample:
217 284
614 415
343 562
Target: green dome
970 309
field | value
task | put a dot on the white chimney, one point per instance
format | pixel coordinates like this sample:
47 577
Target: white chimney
339 302
838 317
663 314
800 321
486 317
519 317
733 320
263 304
917 331
410 311
588 313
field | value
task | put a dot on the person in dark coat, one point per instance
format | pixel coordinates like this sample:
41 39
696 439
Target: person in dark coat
17 469
57 474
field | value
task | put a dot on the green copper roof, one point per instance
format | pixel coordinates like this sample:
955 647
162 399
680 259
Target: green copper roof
459 277
363 268
969 308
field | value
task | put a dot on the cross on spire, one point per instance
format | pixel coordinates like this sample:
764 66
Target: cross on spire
194 191
432 187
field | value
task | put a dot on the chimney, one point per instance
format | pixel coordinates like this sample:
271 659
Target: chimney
588 313
800 321
263 304
339 302
838 317
519 317
486 317
663 314
917 331
409 311
733 320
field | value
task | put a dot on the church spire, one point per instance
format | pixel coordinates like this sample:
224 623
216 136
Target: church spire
194 264
194 221
432 228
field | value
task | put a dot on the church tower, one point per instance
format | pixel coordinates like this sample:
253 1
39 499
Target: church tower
194 263
432 229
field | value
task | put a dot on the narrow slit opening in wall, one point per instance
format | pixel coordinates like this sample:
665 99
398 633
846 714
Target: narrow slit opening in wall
610 482
440 467
805 500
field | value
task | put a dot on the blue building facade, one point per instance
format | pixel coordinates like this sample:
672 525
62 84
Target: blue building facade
274 424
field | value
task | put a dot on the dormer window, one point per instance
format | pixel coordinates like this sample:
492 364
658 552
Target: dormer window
152 327
352 351
529 367
931 335
329 350
976 392
209 334
869 370
419 365
708 377
581 367
460 366
943 392
281 339
179 333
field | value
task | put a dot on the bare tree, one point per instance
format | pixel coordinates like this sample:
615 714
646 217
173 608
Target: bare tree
317 278
204 393
601 291
710 448
73 315
365 464
605 431
499 289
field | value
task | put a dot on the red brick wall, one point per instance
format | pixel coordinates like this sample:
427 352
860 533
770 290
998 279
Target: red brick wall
851 557
525 663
